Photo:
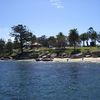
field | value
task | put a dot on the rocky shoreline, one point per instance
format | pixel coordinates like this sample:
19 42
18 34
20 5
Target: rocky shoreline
94 56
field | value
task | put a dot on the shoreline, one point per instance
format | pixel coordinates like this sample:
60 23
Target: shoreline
65 60
90 59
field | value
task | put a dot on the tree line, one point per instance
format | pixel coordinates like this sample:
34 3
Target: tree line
22 35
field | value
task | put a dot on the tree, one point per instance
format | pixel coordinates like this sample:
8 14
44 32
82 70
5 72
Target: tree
16 43
33 39
9 47
98 37
52 41
92 35
2 47
87 39
73 37
83 38
61 40
22 34
43 40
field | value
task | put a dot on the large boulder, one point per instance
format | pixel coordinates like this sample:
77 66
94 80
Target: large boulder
96 54
79 55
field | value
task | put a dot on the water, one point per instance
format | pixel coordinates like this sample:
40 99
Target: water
49 81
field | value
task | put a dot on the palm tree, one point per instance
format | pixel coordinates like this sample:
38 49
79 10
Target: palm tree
87 38
43 40
73 37
98 37
92 35
83 38
61 39
52 41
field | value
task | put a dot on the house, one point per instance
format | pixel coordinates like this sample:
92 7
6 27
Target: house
36 45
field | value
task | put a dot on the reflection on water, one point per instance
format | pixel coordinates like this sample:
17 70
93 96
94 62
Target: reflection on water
49 81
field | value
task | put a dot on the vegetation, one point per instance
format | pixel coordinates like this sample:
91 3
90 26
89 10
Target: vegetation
83 38
93 36
21 33
61 42
73 43
73 38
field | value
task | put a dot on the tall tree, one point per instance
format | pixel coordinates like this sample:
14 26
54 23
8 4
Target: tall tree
92 35
33 39
83 38
22 34
98 37
2 47
52 41
16 43
43 40
73 37
87 39
9 47
61 40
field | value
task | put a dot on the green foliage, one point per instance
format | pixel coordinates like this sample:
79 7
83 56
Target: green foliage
9 47
52 41
22 34
61 40
92 35
98 37
83 38
16 43
73 37
33 39
2 47
76 51
43 40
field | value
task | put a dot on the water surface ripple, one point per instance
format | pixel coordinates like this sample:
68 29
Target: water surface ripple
49 81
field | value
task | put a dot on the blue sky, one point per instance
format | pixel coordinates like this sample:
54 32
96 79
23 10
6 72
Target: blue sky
49 17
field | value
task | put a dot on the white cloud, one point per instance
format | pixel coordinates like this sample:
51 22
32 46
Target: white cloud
57 3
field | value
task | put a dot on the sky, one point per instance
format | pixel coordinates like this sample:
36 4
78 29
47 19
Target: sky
49 17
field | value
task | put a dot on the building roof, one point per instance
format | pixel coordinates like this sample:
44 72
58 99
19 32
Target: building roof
36 44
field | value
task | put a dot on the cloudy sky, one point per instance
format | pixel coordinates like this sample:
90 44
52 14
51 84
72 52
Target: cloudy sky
49 17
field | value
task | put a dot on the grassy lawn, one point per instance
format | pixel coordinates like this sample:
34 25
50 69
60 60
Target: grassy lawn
91 49
68 50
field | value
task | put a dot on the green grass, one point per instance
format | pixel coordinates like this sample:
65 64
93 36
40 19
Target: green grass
68 50
91 49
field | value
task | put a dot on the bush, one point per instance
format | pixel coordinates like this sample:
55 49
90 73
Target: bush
76 51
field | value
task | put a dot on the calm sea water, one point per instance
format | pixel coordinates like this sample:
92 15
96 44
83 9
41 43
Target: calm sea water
49 81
